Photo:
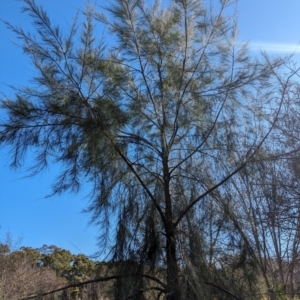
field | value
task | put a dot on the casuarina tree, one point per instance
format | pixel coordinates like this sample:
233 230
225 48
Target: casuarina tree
156 116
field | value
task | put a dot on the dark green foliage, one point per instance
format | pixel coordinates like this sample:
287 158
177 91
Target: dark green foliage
75 268
28 271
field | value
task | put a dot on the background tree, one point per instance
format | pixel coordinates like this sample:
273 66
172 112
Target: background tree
159 123
22 275
28 272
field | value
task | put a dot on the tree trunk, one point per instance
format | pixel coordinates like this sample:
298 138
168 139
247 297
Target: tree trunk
173 290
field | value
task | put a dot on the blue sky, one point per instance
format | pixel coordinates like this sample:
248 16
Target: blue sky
273 25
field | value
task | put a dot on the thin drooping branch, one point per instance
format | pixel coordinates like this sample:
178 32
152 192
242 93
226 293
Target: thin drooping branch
153 199
102 279
222 289
248 159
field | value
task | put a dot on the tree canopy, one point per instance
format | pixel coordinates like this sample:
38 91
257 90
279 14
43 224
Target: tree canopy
27 272
179 132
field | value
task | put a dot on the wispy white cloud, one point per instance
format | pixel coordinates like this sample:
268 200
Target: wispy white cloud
275 47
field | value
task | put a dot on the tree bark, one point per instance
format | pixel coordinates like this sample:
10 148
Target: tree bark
173 290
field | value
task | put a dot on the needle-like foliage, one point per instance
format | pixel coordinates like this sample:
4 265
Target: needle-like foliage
157 124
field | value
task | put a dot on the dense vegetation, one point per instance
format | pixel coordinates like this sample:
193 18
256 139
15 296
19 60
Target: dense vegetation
190 145
29 272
